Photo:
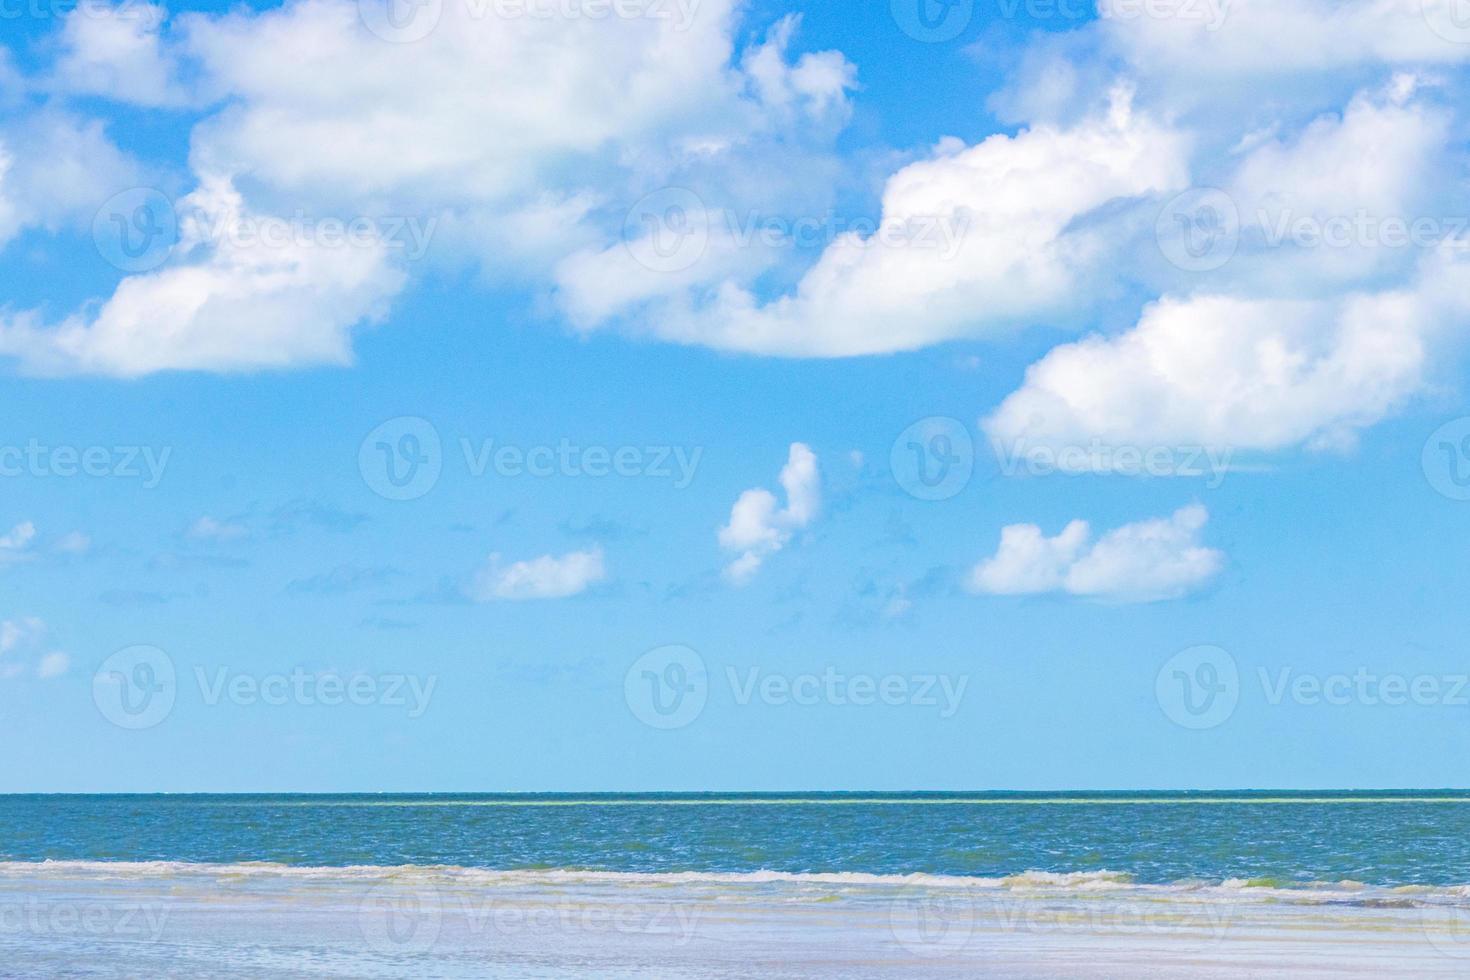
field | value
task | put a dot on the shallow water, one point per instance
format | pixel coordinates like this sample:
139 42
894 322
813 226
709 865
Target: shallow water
1376 838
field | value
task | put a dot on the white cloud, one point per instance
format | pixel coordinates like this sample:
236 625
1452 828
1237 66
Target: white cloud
1319 208
547 577
208 528
760 527
17 634
973 240
56 170
1146 561
484 108
117 53
15 544
1375 155
1238 373
53 664
234 301
1276 37
518 128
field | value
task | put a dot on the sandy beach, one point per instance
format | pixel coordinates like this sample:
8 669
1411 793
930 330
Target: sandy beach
166 919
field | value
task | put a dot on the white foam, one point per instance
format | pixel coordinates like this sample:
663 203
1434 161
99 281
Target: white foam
1231 890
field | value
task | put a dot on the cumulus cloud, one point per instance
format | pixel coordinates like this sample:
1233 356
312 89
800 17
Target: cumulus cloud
1275 37
971 240
239 297
118 53
1238 372
528 135
1320 208
547 577
759 526
483 107
56 169
1147 561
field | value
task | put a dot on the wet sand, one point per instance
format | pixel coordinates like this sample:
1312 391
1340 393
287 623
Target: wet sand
163 920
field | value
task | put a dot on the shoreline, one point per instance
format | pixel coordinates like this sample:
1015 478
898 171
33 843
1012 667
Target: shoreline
167 918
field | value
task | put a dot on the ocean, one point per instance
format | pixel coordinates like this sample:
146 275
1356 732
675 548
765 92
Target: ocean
715 885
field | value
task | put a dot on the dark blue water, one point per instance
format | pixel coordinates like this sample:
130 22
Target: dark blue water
1378 838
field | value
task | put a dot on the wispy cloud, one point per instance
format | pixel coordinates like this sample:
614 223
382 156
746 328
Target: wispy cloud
546 577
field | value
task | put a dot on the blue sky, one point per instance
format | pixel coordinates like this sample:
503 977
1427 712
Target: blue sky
1139 281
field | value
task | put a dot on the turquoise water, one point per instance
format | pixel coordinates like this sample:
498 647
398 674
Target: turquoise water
1380 838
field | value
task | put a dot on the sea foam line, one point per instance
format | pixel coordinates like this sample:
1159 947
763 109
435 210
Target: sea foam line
1100 883
852 801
